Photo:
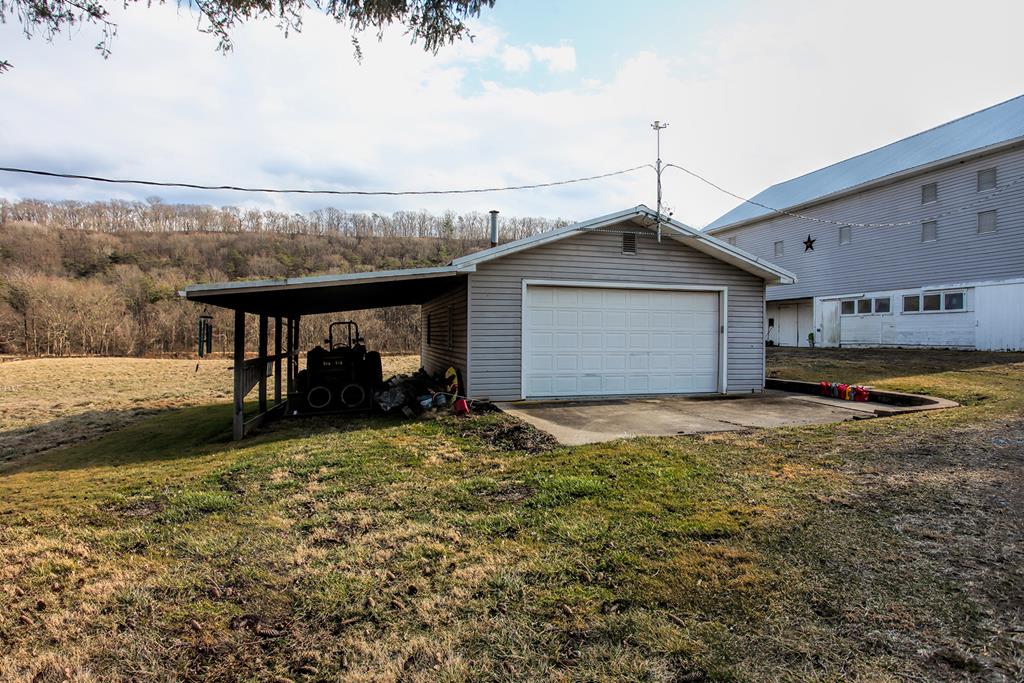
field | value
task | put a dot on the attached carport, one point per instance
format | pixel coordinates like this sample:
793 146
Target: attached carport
620 305
286 301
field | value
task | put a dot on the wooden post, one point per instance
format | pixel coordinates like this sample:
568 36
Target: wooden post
263 363
277 359
295 348
288 352
239 419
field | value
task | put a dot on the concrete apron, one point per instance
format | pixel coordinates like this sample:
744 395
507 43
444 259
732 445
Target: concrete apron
578 422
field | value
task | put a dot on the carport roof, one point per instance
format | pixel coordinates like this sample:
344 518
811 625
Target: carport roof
329 293
355 291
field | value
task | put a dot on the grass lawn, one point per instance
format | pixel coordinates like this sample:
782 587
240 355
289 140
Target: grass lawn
470 549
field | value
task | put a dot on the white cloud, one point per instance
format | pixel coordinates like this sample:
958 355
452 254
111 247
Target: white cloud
516 59
787 89
559 59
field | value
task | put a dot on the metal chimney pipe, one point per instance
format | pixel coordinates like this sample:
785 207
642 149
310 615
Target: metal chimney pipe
494 227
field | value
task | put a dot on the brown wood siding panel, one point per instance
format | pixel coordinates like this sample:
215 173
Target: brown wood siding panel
496 301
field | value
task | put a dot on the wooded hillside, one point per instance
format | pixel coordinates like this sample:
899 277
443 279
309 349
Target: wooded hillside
102 277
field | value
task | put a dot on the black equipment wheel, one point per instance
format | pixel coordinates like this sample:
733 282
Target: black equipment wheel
319 397
352 395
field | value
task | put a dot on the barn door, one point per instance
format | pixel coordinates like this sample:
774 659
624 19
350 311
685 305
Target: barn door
829 329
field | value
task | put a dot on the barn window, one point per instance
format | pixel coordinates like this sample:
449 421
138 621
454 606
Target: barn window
849 307
986 179
845 234
629 243
731 240
935 302
953 301
780 248
929 193
986 222
929 231
883 305
863 305
451 328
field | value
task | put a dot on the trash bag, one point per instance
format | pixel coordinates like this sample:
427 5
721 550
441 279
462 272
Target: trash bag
391 398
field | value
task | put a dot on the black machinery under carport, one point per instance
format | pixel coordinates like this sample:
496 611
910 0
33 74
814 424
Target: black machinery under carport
286 301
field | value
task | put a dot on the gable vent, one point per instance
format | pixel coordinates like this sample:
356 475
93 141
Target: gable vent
628 243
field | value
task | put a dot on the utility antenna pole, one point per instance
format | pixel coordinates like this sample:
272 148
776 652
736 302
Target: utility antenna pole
658 126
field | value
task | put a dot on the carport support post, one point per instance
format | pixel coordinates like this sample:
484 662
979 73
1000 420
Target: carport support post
262 352
277 359
288 346
239 418
295 349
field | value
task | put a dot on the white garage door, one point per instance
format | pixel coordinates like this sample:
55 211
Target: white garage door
585 341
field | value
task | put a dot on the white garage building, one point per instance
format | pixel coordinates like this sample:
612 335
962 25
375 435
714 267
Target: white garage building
598 308
603 308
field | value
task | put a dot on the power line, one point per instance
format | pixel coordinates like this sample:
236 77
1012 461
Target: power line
791 214
363 193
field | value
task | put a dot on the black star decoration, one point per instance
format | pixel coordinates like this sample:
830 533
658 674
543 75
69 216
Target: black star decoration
809 243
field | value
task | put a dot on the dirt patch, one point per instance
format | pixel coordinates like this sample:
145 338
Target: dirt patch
512 493
510 434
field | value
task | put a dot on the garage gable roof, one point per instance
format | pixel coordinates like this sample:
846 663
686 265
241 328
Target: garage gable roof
648 219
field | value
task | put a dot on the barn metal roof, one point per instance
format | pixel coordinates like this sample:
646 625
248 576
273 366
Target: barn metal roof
995 126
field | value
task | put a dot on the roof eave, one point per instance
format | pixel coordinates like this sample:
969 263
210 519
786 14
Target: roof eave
197 291
721 250
549 236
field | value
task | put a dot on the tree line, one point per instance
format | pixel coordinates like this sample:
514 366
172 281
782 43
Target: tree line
153 215
102 278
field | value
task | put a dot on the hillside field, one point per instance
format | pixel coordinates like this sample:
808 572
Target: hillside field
447 549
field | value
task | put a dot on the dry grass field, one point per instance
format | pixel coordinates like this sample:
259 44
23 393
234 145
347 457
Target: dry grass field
50 402
449 549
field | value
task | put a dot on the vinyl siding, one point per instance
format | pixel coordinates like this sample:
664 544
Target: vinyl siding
496 301
896 258
436 356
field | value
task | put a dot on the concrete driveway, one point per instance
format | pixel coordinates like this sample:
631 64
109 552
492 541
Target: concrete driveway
579 422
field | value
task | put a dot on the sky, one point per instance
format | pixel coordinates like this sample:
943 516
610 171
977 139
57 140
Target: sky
754 93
